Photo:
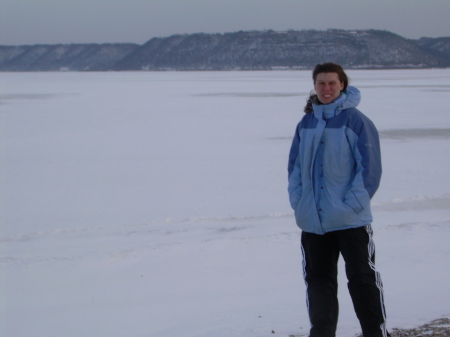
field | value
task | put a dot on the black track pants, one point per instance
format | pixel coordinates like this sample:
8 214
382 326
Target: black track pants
320 257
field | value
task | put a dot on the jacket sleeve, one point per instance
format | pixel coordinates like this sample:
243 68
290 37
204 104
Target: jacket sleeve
366 149
294 171
293 153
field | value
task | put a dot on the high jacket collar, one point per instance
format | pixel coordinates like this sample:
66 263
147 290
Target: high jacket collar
347 99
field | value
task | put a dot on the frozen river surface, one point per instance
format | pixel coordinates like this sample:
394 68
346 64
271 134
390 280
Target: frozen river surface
154 204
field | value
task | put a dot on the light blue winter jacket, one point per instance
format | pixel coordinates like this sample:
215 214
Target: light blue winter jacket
334 166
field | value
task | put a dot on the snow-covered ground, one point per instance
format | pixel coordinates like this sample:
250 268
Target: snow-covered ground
143 204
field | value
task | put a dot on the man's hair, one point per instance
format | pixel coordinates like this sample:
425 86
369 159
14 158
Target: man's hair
331 68
328 67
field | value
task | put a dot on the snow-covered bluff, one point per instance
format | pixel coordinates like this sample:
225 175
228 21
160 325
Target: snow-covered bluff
74 57
250 50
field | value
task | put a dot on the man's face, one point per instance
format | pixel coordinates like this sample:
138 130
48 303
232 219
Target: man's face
328 87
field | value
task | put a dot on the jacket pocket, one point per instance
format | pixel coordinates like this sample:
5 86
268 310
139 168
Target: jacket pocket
306 214
353 202
294 198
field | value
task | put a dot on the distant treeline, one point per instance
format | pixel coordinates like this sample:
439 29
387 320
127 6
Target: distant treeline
243 50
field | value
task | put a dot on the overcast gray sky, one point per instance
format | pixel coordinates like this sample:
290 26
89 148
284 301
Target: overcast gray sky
102 21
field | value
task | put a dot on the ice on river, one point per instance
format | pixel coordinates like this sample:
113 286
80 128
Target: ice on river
154 204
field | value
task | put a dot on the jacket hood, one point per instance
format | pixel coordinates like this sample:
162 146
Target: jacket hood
347 99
